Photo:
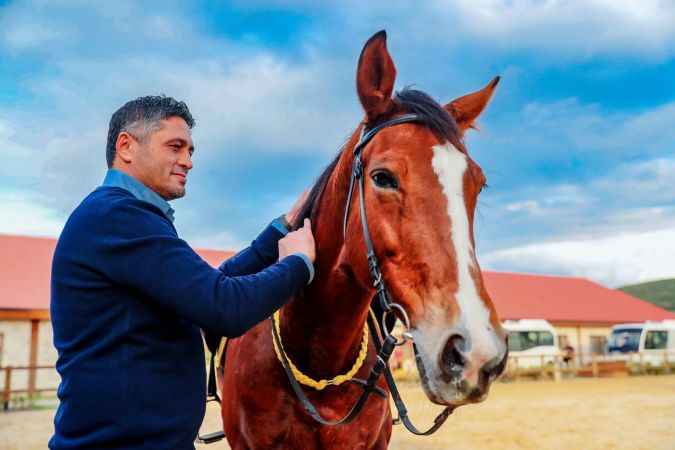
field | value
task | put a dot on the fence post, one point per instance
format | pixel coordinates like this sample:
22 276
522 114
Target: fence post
594 365
556 368
8 387
642 364
516 376
664 364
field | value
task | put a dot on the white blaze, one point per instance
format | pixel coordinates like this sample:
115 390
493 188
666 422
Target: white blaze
450 165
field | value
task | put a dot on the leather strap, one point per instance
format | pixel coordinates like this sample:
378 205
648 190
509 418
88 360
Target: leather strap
396 396
212 395
369 386
365 138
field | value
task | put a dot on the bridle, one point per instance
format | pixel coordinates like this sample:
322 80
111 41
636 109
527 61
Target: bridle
383 340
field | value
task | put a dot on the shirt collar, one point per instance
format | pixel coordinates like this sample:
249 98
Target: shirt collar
117 178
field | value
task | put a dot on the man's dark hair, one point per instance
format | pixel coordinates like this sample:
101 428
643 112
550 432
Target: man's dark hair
141 116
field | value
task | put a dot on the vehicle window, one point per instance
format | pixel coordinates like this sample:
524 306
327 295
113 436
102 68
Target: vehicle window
525 340
656 340
627 339
545 338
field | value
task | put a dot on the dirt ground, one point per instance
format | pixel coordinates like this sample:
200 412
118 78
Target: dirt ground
636 413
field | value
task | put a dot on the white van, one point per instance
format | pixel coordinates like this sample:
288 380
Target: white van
652 339
532 341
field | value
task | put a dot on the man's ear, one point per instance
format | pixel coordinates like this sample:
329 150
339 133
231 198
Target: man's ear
467 108
124 147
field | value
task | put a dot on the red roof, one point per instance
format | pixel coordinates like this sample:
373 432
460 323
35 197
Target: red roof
25 270
565 299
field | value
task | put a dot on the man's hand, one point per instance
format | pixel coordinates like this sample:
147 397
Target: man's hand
299 241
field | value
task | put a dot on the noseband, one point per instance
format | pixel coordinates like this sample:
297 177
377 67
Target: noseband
383 340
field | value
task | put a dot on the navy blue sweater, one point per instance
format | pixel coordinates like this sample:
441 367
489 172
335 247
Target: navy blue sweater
128 298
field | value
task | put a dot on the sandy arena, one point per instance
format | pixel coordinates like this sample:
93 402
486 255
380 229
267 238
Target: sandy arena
636 413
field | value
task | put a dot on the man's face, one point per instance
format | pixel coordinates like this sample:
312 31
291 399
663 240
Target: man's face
163 160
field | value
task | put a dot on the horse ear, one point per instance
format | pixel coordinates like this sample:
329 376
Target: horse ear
467 108
375 76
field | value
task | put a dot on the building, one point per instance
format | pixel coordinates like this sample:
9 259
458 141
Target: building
581 311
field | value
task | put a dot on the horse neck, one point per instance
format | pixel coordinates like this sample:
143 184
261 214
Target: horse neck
323 327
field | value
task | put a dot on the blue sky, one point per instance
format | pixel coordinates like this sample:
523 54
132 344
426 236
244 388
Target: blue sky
578 143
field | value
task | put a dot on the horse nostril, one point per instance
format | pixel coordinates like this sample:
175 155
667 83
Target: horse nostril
452 359
492 369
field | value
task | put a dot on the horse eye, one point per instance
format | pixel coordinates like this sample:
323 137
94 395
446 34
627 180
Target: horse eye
384 179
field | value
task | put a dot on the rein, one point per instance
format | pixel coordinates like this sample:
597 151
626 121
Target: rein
385 344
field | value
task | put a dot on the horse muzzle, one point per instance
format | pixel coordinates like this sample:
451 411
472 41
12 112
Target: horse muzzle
454 372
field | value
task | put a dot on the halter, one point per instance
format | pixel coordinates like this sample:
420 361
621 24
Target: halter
383 340
357 175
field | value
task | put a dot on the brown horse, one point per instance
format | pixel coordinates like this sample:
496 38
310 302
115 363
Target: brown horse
421 189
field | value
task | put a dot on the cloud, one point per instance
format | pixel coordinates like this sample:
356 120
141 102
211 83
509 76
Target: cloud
249 102
223 241
24 215
530 206
573 28
258 106
614 260
554 31
21 37
631 197
618 228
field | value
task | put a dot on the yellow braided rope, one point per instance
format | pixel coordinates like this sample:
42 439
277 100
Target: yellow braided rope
320 384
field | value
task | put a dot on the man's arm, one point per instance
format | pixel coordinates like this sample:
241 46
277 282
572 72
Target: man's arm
264 249
262 252
150 257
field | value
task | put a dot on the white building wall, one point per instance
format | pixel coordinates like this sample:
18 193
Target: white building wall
580 337
47 355
15 351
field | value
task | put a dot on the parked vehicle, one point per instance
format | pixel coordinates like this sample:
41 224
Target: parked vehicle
532 342
654 340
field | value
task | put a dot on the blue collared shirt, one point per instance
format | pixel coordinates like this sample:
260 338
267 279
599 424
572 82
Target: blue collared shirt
117 178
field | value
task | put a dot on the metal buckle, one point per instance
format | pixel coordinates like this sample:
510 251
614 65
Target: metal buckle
357 167
405 336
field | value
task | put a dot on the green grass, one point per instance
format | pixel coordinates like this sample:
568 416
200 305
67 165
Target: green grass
661 293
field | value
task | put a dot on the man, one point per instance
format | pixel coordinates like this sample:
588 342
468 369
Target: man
129 296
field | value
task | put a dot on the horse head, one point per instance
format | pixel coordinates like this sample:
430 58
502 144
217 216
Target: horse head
421 190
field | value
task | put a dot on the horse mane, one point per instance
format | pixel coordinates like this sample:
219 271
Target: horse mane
408 100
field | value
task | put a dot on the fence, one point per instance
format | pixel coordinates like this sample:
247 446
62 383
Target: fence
30 391
556 366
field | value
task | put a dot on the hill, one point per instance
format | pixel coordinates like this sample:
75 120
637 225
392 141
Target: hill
661 293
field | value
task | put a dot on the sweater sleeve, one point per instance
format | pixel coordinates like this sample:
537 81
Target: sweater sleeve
262 252
139 248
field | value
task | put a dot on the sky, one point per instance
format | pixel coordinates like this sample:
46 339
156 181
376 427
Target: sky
578 143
